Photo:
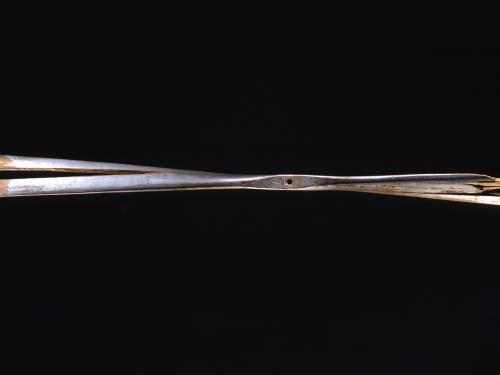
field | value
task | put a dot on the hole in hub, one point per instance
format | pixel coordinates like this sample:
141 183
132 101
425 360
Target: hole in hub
289 181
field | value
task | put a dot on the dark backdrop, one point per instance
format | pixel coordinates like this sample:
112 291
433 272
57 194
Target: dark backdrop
252 282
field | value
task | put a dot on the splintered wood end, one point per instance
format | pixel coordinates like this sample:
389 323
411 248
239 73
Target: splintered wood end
488 192
482 190
491 187
5 162
4 185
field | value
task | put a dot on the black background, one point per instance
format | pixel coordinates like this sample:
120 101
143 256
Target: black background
252 282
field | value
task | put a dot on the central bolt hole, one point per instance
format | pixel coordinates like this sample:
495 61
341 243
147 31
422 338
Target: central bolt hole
289 181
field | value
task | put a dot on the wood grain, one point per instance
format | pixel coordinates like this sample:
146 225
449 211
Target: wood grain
5 162
4 187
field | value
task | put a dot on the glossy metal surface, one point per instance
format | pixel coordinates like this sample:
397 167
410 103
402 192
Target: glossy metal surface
96 178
